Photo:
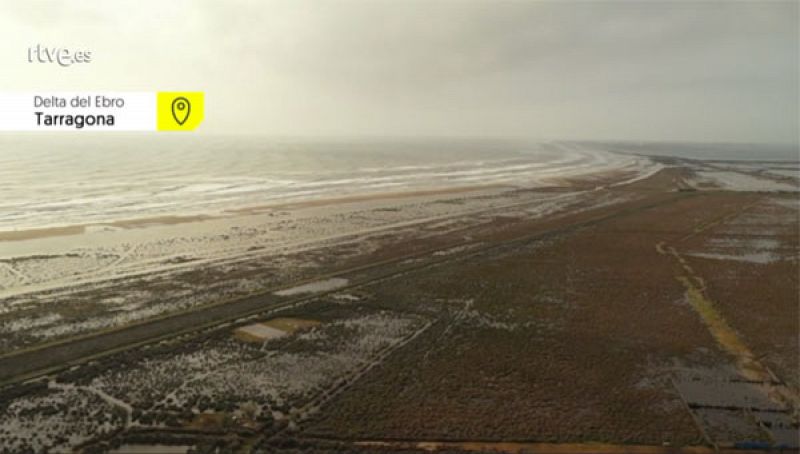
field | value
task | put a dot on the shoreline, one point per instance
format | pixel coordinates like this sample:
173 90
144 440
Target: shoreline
162 220
367 197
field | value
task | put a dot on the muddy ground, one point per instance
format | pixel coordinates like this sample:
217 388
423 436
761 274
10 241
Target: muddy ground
666 319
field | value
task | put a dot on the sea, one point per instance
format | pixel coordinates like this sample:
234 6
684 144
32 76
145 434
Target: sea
49 180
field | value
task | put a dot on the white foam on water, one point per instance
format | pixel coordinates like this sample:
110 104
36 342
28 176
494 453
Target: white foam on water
83 180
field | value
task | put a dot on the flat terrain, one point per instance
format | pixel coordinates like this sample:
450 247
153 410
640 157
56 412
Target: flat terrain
642 317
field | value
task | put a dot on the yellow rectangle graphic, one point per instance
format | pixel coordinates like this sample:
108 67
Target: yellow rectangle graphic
179 110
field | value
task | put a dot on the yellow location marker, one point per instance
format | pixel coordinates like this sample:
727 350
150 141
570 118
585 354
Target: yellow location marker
179 111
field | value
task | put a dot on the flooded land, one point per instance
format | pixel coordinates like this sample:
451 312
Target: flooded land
650 308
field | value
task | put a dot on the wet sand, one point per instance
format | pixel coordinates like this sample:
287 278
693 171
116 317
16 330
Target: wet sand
366 198
32 234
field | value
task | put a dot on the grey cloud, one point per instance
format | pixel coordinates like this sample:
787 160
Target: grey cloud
543 69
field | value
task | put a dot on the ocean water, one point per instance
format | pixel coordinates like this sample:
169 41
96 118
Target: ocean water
69 179
707 151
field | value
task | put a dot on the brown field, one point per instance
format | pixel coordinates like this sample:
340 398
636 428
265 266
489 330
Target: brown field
570 339
664 322
758 300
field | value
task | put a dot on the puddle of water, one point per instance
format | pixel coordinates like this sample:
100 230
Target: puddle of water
258 332
314 287
728 427
728 394
151 449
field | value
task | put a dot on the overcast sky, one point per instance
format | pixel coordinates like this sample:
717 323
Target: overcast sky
697 71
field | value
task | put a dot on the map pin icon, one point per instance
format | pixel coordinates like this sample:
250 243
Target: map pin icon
181 109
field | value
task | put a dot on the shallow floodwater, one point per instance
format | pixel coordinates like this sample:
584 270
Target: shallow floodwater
148 449
709 151
314 287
